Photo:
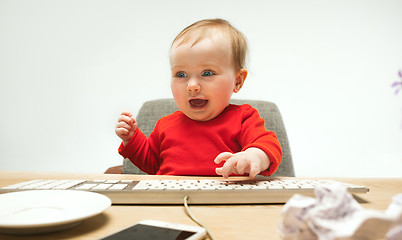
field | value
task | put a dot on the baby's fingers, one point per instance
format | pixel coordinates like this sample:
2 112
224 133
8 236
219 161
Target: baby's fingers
223 157
123 124
128 114
122 132
229 167
254 170
124 118
243 166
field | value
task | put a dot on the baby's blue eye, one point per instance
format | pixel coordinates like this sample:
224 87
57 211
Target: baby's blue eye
181 75
207 74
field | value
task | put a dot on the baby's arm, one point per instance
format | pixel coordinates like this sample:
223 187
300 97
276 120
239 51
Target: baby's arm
125 127
252 161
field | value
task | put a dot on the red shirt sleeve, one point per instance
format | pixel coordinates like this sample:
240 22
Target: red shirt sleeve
254 134
142 151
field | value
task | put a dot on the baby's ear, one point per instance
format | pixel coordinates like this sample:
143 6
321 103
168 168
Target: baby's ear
240 78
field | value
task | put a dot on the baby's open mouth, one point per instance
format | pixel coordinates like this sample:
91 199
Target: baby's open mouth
198 103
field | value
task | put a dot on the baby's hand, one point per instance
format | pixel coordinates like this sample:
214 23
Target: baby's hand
252 161
125 127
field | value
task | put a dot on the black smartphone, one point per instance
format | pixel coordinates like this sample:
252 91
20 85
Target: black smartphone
157 230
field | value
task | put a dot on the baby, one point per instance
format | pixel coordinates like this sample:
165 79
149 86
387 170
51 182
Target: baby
208 136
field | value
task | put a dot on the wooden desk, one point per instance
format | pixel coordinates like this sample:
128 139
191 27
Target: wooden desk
224 221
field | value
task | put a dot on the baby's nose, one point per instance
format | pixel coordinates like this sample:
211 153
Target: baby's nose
193 85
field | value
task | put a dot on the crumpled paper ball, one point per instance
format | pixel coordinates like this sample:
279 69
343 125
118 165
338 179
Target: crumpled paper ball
335 215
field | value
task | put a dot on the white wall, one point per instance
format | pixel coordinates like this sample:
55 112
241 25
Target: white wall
68 68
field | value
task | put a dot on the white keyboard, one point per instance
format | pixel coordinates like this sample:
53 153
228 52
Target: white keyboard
199 191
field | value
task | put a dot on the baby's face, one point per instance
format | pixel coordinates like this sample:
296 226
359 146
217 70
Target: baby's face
203 77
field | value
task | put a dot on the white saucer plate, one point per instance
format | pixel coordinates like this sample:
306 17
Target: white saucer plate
42 211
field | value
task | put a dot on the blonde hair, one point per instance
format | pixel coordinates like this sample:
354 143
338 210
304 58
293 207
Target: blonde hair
206 27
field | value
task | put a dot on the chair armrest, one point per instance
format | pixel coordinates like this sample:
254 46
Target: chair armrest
115 170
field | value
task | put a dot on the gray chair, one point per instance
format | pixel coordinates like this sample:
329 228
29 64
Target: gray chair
152 111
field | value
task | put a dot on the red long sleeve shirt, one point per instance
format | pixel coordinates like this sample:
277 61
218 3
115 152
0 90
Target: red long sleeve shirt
182 146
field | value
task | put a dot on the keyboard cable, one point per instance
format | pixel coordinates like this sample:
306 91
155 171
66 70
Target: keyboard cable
194 219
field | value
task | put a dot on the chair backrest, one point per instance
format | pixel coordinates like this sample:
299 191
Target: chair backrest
152 111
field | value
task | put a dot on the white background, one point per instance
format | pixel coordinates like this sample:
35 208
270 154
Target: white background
68 68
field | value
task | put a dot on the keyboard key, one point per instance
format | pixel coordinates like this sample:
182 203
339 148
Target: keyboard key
275 187
111 181
126 181
118 186
307 186
86 186
68 184
291 187
102 186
